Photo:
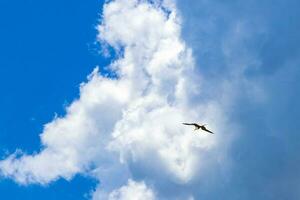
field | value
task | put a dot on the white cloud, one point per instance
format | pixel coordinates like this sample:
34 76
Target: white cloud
72 143
131 126
131 191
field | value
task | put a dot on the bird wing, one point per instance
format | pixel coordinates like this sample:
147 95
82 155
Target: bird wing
207 130
192 124
187 124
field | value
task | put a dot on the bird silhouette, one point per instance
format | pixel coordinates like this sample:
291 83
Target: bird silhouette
197 126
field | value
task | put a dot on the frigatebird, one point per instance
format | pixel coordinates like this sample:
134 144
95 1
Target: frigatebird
197 126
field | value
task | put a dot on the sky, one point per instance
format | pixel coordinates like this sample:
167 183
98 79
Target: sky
94 94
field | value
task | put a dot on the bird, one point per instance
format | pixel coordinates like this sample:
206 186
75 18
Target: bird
197 126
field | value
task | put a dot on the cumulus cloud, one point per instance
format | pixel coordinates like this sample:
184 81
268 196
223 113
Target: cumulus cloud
72 143
126 131
132 190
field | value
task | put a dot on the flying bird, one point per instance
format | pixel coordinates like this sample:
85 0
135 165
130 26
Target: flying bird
197 126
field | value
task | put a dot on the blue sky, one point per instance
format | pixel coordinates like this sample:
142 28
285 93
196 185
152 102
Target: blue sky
48 49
